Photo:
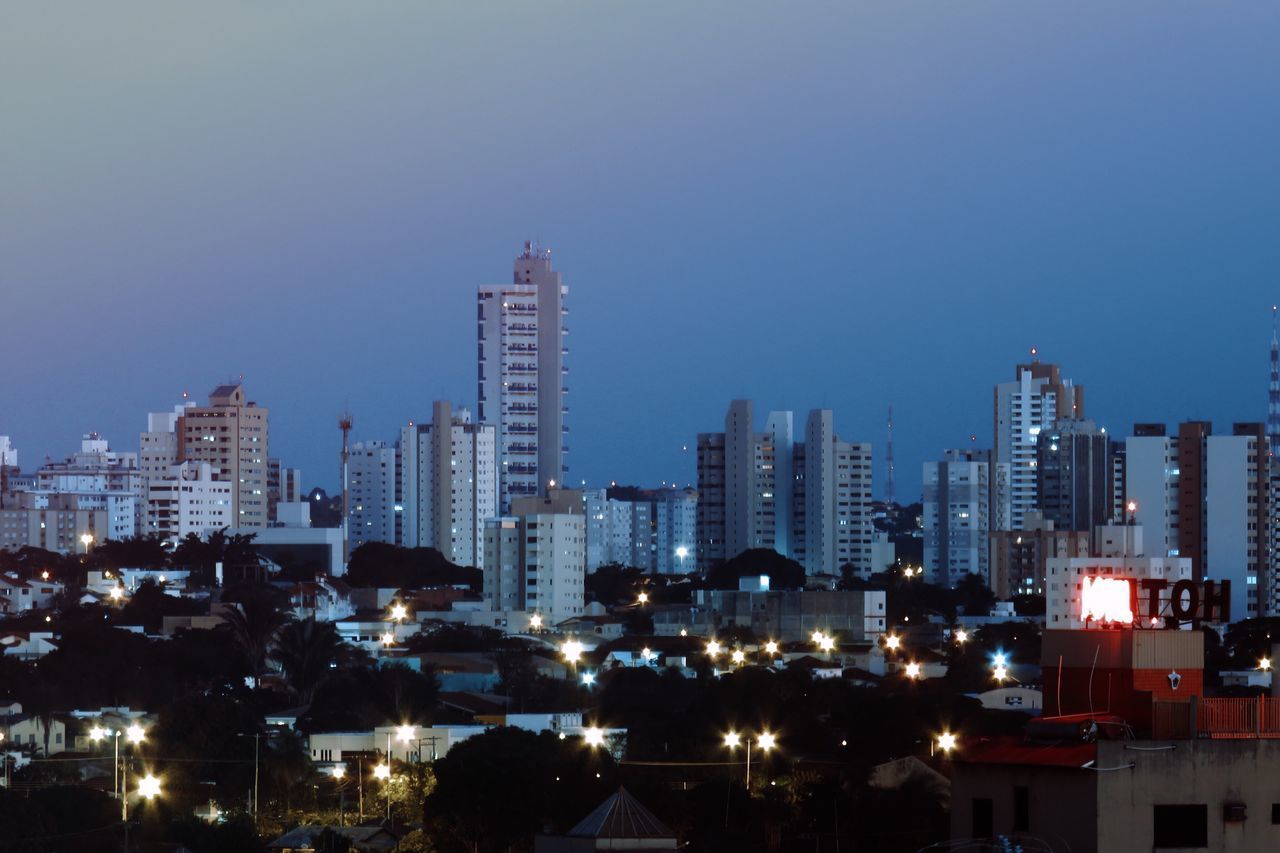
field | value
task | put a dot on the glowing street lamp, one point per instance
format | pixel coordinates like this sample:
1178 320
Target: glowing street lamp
116 594
946 742
382 771
388 639
827 643
1265 664
593 736
535 622
913 670
135 733
765 741
404 734
149 787
713 648
647 654
892 642
962 636
338 771
738 657
771 647
86 539
642 598
1001 672
588 679
572 651
399 612
97 733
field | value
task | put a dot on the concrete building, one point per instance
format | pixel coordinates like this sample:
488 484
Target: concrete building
535 559
782 615
809 500
371 478
675 524
1206 497
448 484
956 516
1075 475
60 522
1036 399
521 375
188 501
284 486
158 445
1019 558
619 532
8 453
100 478
231 435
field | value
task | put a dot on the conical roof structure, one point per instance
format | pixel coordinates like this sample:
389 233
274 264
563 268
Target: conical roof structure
621 816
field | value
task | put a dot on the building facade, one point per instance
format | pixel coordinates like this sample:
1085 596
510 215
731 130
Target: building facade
231 435
956 509
808 500
188 501
521 375
1030 404
535 559
448 484
371 481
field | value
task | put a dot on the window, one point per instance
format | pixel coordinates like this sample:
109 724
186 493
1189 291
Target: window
1021 808
1180 826
982 818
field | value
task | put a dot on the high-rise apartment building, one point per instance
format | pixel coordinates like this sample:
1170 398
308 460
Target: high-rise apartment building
188 501
521 373
284 486
231 434
619 532
809 500
101 478
371 484
1207 497
675 530
1075 475
448 484
535 558
1030 404
956 516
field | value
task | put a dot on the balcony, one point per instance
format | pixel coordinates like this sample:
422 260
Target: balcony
1216 718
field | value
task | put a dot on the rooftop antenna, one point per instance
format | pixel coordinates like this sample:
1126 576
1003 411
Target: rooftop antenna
1273 393
344 424
890 495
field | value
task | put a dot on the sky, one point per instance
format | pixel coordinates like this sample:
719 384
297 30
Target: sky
843 205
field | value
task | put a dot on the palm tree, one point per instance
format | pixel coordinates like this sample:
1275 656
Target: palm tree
306 651
255 622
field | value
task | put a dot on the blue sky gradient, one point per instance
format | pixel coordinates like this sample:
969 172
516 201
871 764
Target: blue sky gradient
811 204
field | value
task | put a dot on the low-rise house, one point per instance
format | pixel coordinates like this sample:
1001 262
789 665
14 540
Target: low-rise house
20 596
619 823
28 645
324 600
43 734
604 627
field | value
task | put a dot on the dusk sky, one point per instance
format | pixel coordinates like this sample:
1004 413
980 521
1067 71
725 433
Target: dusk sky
839 204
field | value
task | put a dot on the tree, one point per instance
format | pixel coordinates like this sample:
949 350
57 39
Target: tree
255 622
307 651
383 565
783 573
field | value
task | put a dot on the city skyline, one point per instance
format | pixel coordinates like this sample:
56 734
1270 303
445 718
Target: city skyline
722 238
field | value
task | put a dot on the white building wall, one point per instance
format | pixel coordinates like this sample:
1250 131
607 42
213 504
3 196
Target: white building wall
1232 529
536 563
371 475
188 501
1151 481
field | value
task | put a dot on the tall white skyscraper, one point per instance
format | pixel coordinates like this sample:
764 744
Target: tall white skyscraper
448 484
521 375
371 478
1036 398
832 499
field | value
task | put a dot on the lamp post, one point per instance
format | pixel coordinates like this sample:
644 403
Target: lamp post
257 736
764 741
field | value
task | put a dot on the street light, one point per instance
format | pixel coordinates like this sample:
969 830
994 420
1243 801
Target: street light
148 787
713 648
913 670
338 771
1265 664
642 598
892 641
771 647
946 742
572 651
135 733
593 736
116 594
86 539
962 636
382 771
535 622
1001 672
738 657
764 741
399 612
388 639
588 679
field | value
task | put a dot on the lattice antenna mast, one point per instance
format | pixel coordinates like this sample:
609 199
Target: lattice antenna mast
344 424
890 492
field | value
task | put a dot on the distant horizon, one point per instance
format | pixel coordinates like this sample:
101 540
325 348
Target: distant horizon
840 206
